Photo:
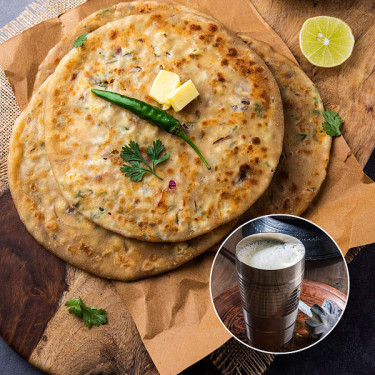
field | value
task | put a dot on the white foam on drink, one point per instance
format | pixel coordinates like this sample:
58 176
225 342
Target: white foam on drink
271 255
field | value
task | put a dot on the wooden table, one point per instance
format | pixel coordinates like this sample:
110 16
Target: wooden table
349 88
229 309
33 320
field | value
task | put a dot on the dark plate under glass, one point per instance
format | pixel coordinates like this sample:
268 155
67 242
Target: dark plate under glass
317 244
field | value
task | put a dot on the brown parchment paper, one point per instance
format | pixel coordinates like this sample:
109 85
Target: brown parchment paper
173 312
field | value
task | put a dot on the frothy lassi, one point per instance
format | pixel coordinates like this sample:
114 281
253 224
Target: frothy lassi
271 255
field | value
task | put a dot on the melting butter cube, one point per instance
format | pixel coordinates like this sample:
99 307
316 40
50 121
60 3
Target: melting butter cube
183 95
164 83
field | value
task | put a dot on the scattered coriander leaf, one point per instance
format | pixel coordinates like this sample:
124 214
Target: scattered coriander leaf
79 194
105 10
80 40
258 110
332 124
98 213
93 316
315 135
75 306
90 315
102 83
301 137
132 154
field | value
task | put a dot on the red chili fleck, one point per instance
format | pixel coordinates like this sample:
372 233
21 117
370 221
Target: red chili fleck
118 50
172 184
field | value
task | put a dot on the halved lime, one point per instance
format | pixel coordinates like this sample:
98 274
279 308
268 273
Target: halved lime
326 41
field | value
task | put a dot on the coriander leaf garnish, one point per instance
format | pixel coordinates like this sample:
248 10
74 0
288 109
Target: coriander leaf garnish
332 124
80 40
153 153
150 113
90 315
132 154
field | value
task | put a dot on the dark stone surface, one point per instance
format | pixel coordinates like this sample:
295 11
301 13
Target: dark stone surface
12 363
349 349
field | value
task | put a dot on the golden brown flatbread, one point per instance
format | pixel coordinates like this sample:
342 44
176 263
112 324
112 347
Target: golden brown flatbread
93 22
306 147
236 122
67 233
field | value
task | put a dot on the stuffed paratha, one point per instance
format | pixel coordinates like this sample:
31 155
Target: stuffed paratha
93 22
236 122
294 192
290 191
306 147
67 233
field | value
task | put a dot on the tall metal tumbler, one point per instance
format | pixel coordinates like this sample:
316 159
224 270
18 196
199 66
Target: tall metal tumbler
269 297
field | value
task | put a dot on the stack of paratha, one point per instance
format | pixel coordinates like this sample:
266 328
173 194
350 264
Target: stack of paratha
64 162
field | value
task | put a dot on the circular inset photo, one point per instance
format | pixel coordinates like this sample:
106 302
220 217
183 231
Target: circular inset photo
279 283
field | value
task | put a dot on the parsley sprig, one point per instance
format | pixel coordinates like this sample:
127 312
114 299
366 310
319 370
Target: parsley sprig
332 124
90 315
132 154
80 40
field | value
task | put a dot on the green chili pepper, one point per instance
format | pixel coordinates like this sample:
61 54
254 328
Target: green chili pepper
150 113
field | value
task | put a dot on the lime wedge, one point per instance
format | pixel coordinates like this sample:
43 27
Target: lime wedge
326 41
